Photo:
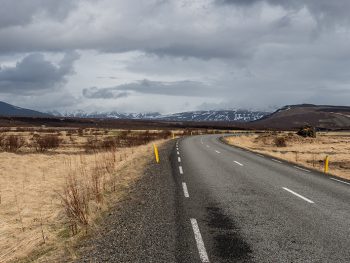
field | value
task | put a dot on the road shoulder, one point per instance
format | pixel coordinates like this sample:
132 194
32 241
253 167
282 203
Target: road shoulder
142 227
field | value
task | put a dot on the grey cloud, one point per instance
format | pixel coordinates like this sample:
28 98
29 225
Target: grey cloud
104 93
324 11
176 88
22 12
34 74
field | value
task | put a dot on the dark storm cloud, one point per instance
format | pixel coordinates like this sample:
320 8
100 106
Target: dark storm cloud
176 88
34 74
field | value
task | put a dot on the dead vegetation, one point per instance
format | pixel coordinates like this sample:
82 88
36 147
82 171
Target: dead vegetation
54 184
308 151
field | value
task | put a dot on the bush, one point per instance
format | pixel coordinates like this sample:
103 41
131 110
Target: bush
307 131
280 142
109 143
11 143
92 144
46 142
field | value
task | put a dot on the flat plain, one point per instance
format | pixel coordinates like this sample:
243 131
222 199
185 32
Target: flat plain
309 152
51 195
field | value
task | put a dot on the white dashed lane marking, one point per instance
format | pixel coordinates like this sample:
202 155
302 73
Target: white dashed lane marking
199 241
302 169
340 181
277 161
181 170
184 187
298 195
238 163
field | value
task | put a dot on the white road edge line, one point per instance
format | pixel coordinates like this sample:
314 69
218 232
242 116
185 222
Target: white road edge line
180 169
199 240
277 161
298 195
340 181
178 152
260 155
208 146
184 187
238 163
302 169
217 151
179 159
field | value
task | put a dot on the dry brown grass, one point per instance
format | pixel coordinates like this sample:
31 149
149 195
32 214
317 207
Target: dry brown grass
46 198
309 152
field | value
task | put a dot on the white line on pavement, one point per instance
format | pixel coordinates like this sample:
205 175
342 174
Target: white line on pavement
184 187
298 195
199 240
277 161
260 155
302 169
217 151
178 152
208 146
238 163
340 181
180 169
179 159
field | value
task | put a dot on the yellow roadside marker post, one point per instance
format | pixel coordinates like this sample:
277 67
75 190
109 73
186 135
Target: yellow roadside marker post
156 153
326 163
173 135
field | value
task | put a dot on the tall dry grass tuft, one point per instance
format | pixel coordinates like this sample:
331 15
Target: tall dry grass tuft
84 188
75 202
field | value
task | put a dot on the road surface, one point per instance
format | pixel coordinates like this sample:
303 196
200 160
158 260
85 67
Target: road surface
238 206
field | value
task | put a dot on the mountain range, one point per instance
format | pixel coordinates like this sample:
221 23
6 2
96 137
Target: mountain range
208 115
289 117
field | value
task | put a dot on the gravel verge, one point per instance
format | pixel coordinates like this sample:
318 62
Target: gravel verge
142 227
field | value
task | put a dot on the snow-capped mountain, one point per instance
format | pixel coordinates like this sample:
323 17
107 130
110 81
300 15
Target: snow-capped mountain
209 115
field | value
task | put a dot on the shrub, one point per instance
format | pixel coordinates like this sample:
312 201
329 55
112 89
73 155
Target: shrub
11 143
280 142
109 143
46 142
307 131
92 144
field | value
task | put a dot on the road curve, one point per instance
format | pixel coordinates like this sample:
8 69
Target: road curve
237 206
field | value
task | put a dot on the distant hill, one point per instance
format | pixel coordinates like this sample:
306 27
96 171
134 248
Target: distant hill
294 116
197 116
9 110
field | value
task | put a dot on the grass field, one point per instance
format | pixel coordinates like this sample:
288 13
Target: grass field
51 197
309 152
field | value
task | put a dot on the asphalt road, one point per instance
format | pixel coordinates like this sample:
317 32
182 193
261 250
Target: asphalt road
237 206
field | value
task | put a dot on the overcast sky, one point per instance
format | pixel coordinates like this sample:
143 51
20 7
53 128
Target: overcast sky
171 56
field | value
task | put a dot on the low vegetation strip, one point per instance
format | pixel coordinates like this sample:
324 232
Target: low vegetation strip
308 152
51 197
